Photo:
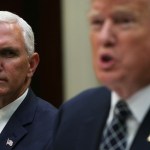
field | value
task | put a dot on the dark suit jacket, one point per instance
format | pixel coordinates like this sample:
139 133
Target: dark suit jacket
30 127
81 122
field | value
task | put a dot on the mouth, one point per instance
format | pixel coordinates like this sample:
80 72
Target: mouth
106 58
2 80
106 61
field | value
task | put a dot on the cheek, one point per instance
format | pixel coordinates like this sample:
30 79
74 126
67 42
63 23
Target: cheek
134 55
95 45
134 44
18 68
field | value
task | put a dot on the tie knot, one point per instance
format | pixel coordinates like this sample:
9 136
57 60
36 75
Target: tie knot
121 110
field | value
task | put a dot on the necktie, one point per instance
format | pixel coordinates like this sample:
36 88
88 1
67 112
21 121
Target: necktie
114 137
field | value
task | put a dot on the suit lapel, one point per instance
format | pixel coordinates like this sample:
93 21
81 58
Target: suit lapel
12 134
92 128
141 142
15 128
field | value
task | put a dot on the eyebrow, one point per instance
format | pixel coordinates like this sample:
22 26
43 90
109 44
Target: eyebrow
9 48
93 13
126 11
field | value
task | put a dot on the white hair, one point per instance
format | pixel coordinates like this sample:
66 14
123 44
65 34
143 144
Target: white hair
8 17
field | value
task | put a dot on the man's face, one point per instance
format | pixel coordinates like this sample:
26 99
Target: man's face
15 64
120 35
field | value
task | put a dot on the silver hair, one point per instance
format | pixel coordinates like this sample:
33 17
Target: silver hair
27 32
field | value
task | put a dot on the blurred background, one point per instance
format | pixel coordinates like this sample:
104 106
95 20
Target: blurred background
62 40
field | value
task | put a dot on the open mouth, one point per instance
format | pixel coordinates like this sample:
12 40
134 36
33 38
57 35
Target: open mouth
106 58
106 61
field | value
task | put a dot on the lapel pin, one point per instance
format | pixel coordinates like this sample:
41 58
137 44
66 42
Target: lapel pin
9 142
148 138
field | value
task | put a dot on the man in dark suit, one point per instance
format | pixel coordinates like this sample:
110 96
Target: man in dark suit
117 115
26 121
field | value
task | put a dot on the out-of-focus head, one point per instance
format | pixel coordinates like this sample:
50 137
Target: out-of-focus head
120 37
8 17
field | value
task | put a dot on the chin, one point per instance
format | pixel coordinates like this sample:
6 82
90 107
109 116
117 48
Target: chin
109 81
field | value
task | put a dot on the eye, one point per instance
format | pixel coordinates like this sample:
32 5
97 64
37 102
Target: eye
124 21
96 23
8 53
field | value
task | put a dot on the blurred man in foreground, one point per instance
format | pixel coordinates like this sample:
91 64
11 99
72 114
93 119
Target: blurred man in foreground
117 115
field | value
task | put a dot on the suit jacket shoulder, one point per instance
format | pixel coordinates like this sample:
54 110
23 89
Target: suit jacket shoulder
30 127
90 97
81 120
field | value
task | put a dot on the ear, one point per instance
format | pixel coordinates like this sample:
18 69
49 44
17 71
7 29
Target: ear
33 63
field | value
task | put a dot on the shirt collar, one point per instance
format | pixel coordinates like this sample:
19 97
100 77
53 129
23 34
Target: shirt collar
7 111
139 103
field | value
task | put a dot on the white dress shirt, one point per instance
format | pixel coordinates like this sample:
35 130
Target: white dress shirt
139 104
7 111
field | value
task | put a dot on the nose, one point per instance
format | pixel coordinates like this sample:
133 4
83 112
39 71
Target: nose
107 35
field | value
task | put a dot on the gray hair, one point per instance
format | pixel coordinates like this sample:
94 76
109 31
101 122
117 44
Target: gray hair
8 17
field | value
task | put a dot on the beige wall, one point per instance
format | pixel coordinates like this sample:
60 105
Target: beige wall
78 71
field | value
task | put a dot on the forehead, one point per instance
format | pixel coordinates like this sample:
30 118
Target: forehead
9 29
139 6
10 35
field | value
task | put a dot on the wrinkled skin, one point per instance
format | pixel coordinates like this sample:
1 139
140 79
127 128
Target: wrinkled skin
16 67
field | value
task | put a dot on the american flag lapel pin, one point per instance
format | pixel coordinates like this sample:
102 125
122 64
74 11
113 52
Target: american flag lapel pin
148 138
9 142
